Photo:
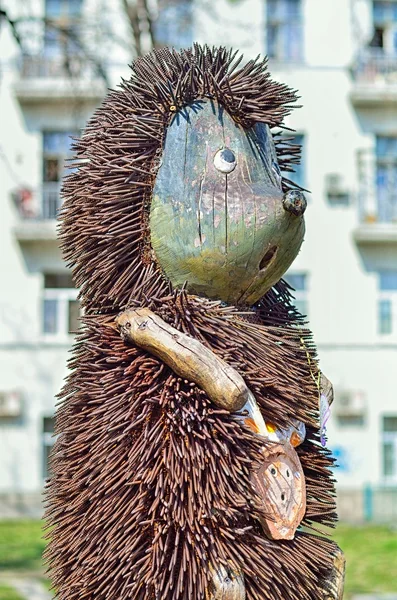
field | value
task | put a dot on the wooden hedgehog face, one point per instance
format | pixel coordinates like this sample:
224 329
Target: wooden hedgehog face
219 219
178 181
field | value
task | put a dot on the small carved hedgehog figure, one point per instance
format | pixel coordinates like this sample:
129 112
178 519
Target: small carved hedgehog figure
188 463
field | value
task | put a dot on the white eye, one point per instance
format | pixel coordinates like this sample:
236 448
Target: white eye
225 160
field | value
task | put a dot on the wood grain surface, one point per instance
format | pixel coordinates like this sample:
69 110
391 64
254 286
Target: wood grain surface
226 235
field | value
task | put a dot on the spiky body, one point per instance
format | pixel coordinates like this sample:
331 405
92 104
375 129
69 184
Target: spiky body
151 488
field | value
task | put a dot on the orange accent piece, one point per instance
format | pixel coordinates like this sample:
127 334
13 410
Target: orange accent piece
251 424
295 439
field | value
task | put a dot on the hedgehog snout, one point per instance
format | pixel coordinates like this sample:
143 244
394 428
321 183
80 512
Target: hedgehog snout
295 202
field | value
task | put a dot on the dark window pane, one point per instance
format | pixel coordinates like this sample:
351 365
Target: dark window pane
293 8
350 420
296 280
284 29
48 442
388 459
386 146
73 315
63 8
52 169
385 316
48 424
390 424
75 7
58 142
50 316
384 11
58 280
174 25
271 6
53 8
388 280
46 461
292 46
272 41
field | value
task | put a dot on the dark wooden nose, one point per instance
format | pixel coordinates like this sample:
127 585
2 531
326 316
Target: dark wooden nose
295 202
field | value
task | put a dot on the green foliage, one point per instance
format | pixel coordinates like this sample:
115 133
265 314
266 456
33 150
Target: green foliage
8 593
371 558
21 545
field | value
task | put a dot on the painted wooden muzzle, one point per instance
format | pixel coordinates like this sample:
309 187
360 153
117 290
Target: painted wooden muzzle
219 220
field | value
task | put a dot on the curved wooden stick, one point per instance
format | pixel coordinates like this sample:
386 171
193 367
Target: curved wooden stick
186 356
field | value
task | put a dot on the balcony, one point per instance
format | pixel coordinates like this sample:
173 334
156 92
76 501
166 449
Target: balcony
49 79
375 79
37 211
377 199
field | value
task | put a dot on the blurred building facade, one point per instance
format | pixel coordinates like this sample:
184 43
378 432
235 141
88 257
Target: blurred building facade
342 57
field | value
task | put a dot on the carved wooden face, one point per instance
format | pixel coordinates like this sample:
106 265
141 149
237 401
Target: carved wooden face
219 219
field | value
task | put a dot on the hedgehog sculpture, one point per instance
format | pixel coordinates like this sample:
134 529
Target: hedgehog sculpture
188 463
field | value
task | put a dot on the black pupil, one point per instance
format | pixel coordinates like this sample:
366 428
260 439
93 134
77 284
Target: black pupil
228 155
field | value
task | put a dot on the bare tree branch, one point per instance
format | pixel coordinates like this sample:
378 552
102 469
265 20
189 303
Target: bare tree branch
12 24
149 20
131 11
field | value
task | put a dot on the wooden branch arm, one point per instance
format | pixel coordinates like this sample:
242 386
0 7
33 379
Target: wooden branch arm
186 356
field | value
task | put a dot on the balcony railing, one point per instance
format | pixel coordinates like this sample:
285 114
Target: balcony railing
43 204
59 67
377 199
47 79
374 65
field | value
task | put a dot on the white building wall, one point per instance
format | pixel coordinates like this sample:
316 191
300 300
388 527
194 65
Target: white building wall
342 275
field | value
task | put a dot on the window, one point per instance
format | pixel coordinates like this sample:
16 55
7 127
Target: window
387 302
389 443
62 38
298 281
174 24
284 30
298 176
56 149
48 442
56 9
386 178
61 309
385 25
